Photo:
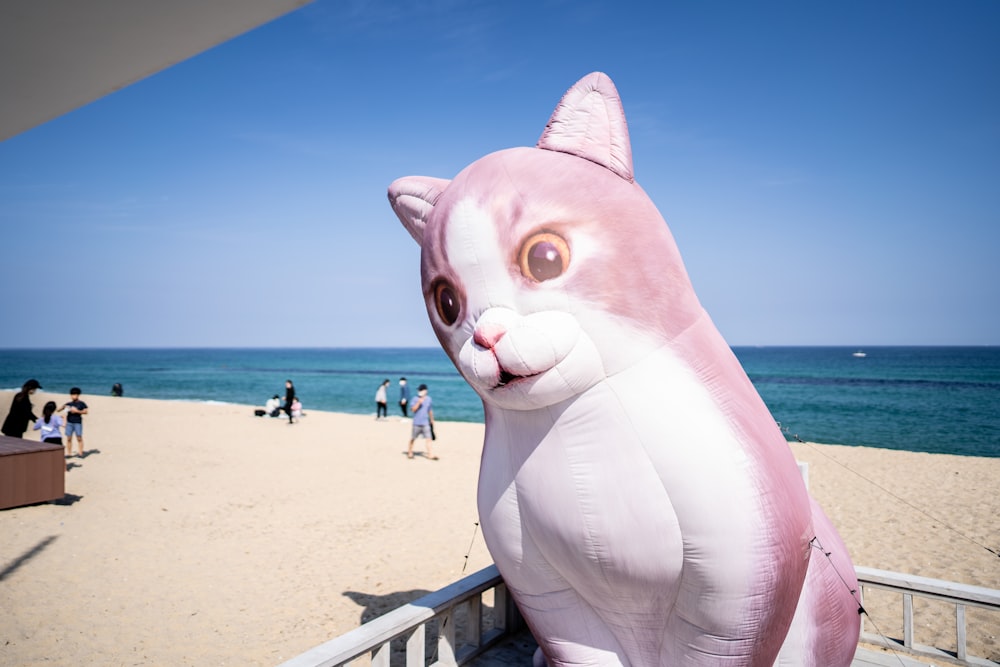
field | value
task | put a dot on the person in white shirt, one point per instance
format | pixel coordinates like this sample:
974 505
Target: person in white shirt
381 406
49 424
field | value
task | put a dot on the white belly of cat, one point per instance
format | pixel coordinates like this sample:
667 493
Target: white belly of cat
630 499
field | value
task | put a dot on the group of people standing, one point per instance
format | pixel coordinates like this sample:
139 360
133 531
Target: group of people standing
381 398
51 424
423 413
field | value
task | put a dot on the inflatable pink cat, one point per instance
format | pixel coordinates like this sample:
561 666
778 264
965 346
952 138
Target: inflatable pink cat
635 492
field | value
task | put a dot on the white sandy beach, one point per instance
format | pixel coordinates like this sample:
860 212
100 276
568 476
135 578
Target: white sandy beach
197 534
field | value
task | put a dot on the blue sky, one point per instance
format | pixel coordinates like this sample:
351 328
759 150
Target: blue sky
831 171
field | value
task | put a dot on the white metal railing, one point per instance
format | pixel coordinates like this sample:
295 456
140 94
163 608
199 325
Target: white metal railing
410 622
962 596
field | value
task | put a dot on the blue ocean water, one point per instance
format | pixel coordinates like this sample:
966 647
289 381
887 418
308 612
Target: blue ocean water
933 399
930 399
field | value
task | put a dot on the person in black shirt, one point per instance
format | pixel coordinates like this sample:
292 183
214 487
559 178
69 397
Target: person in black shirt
289 399
21 413
75 410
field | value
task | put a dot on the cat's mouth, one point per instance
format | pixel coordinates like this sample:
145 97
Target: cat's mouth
506 377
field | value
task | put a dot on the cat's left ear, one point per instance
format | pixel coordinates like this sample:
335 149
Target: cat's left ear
413 199
590 123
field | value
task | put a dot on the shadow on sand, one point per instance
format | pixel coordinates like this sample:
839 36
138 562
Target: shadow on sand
26 556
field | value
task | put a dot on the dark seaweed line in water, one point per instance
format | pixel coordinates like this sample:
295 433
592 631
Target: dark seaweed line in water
336 371
875 382
308 371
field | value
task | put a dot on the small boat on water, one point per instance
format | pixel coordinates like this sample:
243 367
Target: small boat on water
859 354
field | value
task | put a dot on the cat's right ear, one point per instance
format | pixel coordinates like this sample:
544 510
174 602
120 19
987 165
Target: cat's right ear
413 199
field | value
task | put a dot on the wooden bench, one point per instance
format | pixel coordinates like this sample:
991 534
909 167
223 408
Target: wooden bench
30 472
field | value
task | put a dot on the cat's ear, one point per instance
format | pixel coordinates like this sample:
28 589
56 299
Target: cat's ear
413 199
590 123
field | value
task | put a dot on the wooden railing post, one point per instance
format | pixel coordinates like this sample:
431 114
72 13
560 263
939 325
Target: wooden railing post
908 620
446 638
500 607
475 608
960 631
380 656
861 601
415 650
505 606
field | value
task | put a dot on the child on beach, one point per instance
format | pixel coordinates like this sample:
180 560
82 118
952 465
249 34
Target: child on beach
49 424
75 410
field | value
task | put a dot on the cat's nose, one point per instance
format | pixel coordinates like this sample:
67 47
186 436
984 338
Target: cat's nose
487 334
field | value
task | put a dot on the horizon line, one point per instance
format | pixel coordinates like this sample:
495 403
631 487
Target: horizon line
44 348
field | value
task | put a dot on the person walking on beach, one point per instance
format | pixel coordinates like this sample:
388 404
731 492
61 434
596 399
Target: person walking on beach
20 413
49 424
289 399
75 410
381 406
423 423
404 395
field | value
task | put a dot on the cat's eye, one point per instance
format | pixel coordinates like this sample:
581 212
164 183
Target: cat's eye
447 303
544 256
